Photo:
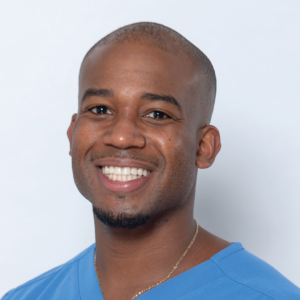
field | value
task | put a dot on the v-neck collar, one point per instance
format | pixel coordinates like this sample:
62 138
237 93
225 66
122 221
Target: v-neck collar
174 288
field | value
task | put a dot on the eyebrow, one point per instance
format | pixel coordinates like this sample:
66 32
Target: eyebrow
147 96
165 98
97 92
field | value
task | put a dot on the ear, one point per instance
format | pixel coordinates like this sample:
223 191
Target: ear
209 145
70 132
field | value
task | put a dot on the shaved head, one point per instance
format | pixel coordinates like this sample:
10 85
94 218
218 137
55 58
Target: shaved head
167 39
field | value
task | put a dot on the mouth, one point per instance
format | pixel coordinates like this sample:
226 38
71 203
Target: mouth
123 174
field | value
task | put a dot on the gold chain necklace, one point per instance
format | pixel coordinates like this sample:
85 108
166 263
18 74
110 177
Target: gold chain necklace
165 278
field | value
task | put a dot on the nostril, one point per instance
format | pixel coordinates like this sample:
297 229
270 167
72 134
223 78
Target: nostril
124 138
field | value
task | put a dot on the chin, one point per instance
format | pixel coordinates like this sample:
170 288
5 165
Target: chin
121 220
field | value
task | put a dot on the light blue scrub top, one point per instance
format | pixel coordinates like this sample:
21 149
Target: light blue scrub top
231 274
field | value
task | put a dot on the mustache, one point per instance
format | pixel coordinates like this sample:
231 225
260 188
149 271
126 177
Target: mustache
126 154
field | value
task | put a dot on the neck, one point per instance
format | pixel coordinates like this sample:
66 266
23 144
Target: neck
126 257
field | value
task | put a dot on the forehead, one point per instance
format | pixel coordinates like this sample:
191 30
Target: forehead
133 68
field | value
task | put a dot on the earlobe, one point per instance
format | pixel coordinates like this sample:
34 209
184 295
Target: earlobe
70 132
209 146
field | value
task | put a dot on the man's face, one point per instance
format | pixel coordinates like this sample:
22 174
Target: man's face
137 114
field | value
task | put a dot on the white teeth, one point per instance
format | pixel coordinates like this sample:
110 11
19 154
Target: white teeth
118 170
124 174
133 171
126 171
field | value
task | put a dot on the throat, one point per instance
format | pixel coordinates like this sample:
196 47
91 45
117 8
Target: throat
136 279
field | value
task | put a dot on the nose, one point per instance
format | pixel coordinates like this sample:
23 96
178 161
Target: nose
124 133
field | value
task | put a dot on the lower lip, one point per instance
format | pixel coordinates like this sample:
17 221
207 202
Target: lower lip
122 186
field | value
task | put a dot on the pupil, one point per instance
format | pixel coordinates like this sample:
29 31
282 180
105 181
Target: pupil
101 110
158 115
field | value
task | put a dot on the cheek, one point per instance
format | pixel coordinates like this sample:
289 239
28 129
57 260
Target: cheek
83 140
183 173
178 149
183 144
179 152
183 163
85 134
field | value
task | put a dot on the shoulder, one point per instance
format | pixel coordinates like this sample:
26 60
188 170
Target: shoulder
63 278
249 271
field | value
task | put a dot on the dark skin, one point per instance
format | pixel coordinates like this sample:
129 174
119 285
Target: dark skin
119 124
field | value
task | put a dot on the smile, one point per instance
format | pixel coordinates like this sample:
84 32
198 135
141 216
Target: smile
123 174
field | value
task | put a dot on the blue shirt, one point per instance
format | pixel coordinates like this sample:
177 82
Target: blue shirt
233 274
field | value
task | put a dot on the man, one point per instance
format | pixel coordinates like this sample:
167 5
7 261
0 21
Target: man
146 97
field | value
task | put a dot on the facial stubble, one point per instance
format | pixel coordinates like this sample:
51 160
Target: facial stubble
121 220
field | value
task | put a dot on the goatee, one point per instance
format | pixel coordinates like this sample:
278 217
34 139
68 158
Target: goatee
121 220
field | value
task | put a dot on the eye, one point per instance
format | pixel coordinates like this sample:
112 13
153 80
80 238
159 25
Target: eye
101 110
158 115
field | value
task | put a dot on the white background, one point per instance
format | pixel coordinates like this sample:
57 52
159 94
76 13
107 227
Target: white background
252 192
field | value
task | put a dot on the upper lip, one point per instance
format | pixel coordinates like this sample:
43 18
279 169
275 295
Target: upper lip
122 163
